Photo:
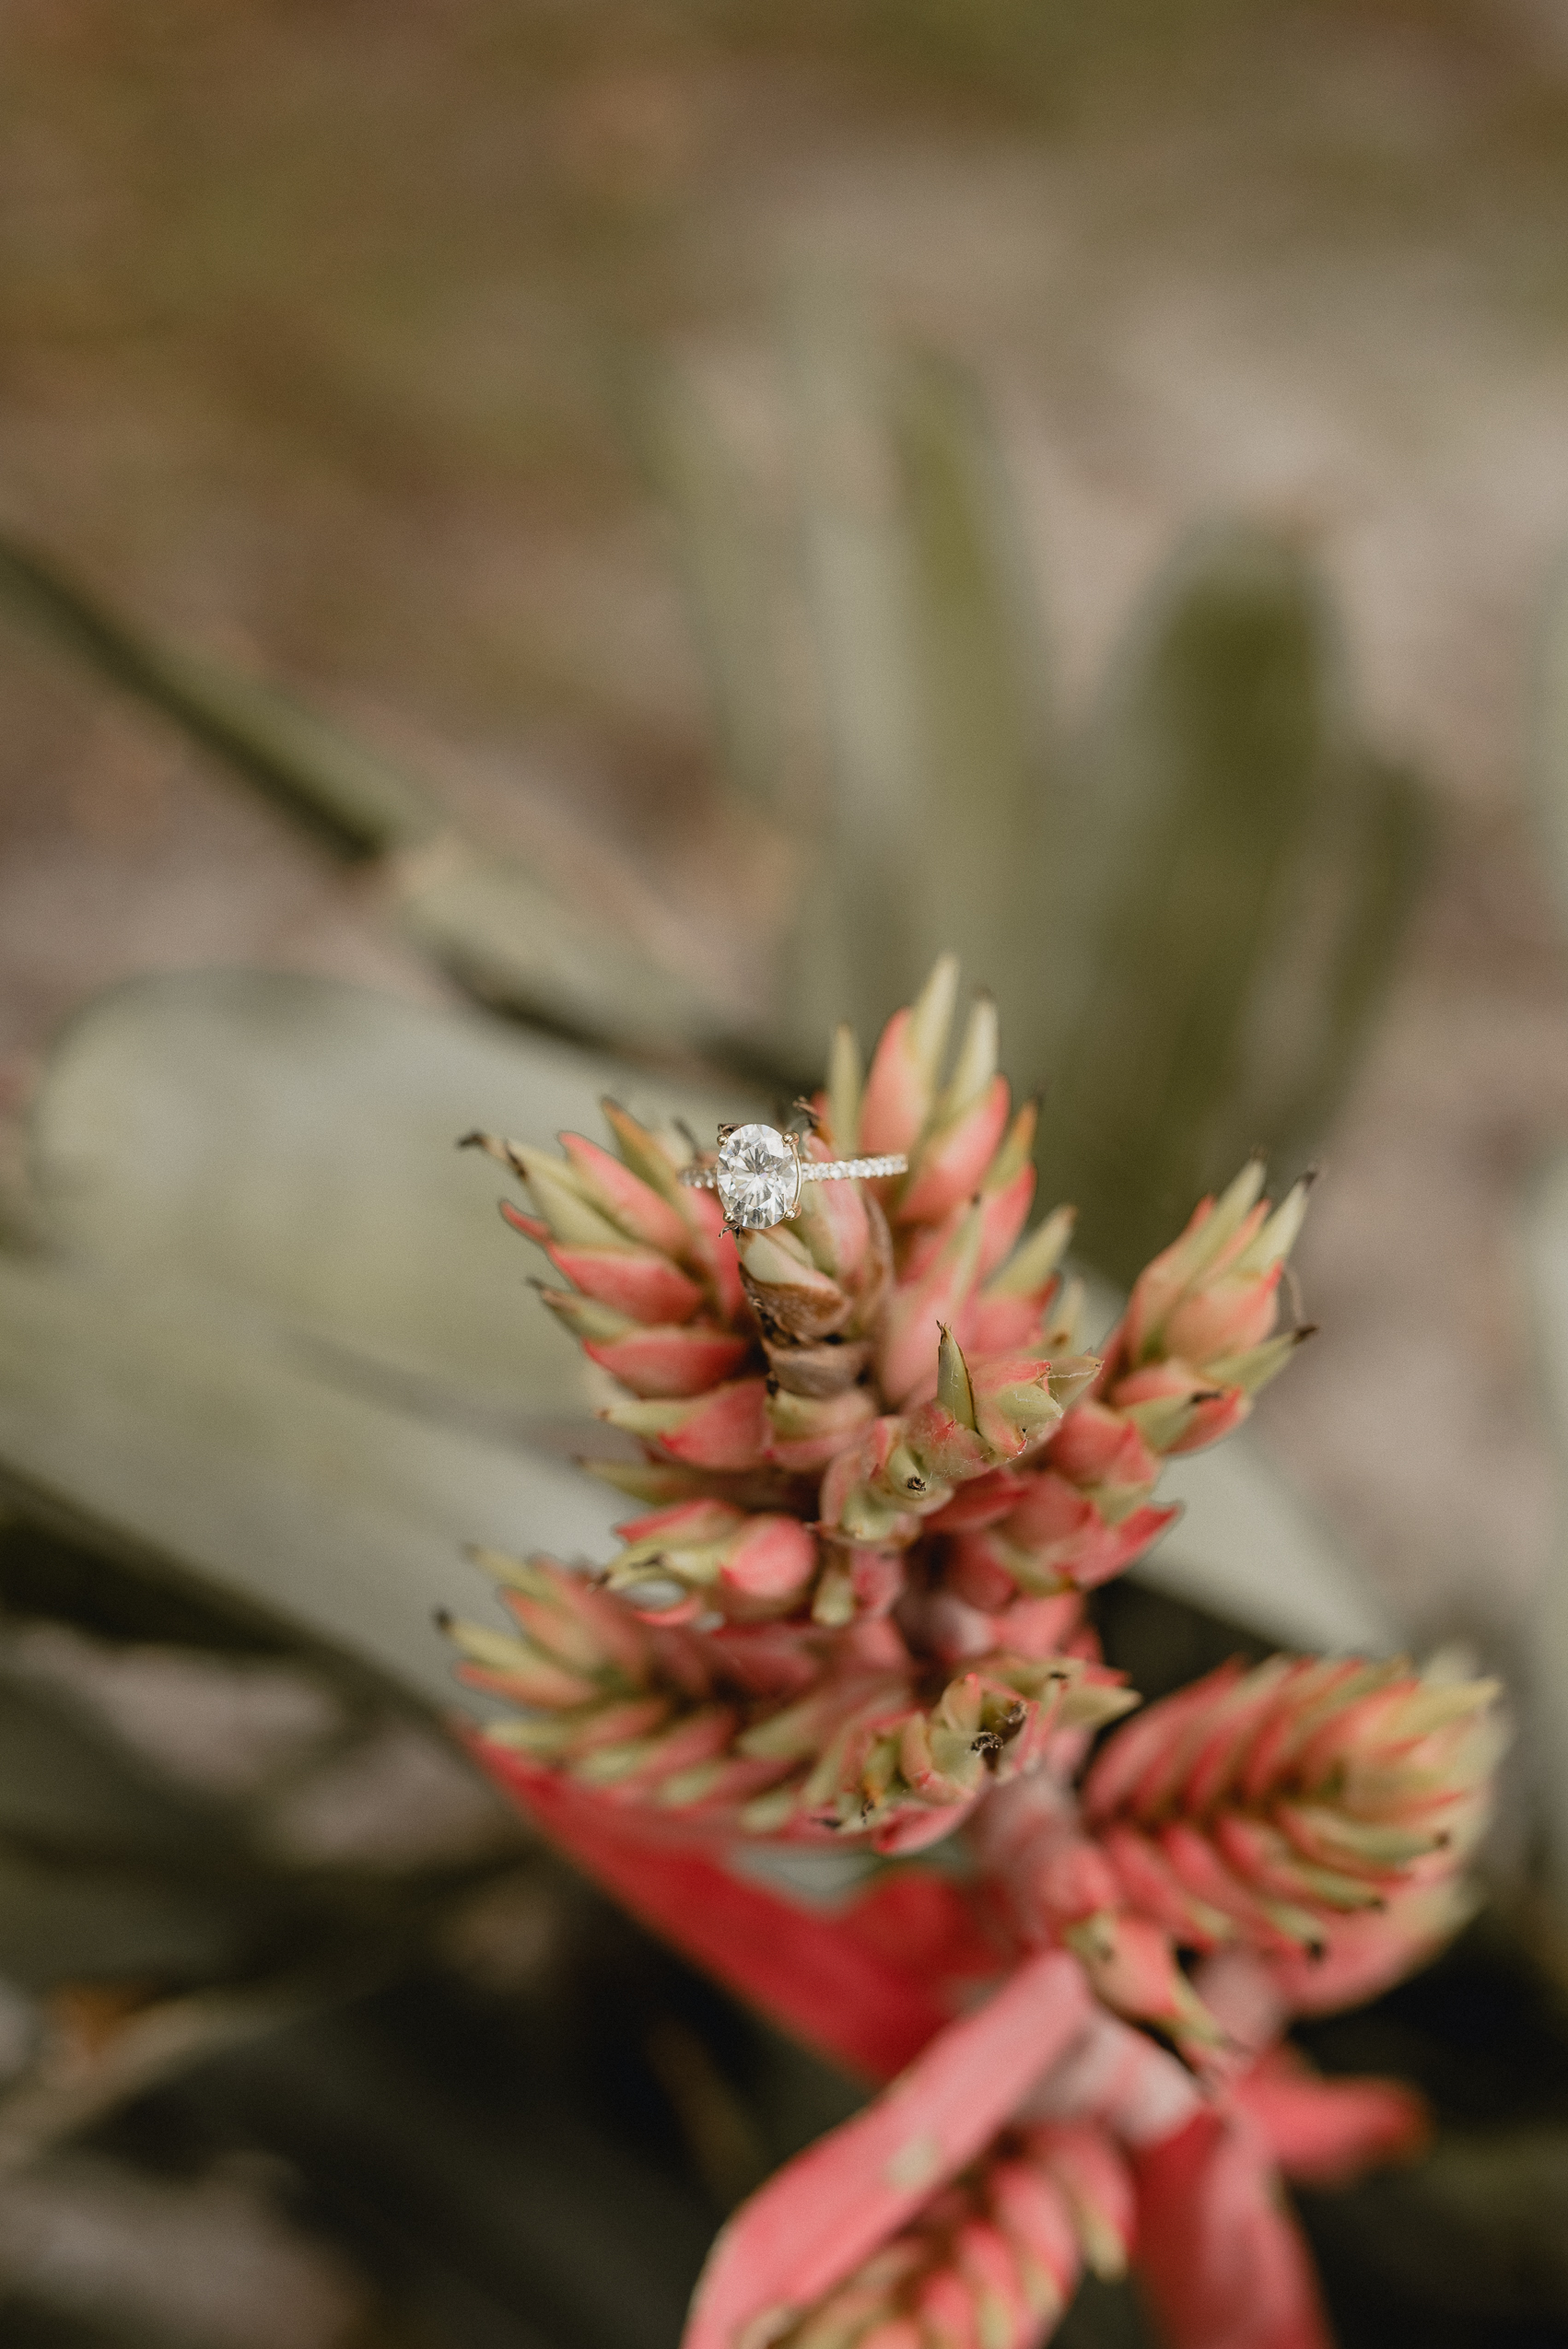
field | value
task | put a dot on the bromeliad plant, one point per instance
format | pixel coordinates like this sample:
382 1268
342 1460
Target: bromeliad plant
877 1479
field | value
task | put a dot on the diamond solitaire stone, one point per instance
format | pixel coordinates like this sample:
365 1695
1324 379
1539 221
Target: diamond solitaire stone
757 1177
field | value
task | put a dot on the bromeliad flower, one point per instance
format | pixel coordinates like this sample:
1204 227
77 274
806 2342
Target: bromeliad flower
876 1475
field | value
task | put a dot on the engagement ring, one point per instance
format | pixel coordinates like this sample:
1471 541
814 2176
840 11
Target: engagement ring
760 1172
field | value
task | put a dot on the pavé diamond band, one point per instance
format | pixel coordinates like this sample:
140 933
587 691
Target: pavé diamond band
759 1173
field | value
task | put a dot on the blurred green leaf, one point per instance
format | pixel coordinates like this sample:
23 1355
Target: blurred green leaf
365 803
1190 921
726 568
161 1421
859 948
1237 864
484 919
1548 766
487 922
930 653
290 1142
981 798
1330 956
1248 1548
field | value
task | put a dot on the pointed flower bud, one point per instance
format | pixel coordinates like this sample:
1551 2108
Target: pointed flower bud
575 1656
746 1563
1092 2174
1217 1232
1175 1409
988 2264
725 1427
1029 1271
637 1283
711 1253
1132 1967
966 1129
1212 1294
656 1161
845 1234
1274 1804
634 1206
681 1359
1008 1191
807 1431
911 1325
572 1215
902 1084
1054 1539
1019 1305
1016 1404
875 1489
1107 1455
991 1723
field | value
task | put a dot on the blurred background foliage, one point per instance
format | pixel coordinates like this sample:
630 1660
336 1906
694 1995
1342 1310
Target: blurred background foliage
653 522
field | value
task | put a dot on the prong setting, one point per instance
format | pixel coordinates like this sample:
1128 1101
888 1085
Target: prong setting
759 1175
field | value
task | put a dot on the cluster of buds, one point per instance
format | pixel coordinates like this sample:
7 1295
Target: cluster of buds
994 2257
877 1477
1180 1370
1270 1803
893 1342
877 1473
1318 1814
759 1728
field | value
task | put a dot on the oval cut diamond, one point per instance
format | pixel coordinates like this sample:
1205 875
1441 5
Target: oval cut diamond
756 1177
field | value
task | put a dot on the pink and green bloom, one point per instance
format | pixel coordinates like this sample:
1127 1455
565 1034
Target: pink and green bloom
875 1474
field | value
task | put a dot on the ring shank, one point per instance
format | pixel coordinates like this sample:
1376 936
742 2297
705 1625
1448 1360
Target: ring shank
843 1170
814 1170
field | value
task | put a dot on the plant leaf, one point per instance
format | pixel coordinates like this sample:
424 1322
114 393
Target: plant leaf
836 1985
289 1142
1247 1547
363 802
1341 919
859 951
979 800
1236 868
1549 747
724 564
486 918
205 1443
1220 2257
280 1339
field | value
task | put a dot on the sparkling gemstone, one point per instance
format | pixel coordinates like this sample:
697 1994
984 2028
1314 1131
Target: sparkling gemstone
756 1178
